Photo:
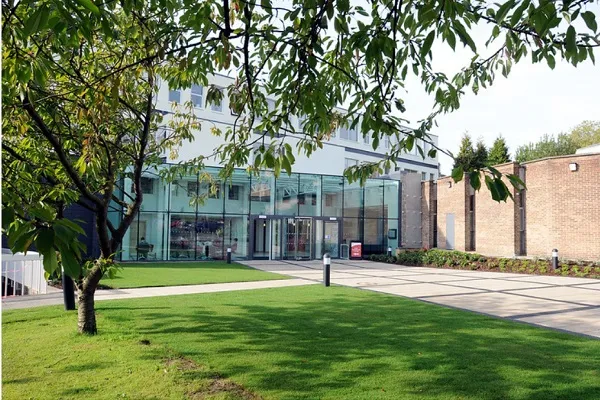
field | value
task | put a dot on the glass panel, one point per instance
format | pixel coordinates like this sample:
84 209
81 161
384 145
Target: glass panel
309 197
175 96
276 238
287 195
261 238
319 239
197 96
392 234
237 193
331 239
152 236
211 192
390 198
261 198
352 230
182 237
236 236
304 238
130 240
374 241
184 191
353 199
209 238
373 198
332 196
154 191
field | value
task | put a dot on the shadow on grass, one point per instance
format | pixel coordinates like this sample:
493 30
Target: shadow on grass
356 344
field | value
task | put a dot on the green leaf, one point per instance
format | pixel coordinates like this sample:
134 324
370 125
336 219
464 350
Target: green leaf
475 180
590 20
70 225
457 174
571 40
45 240
516 17
69 262
464 36
8 216
503 11
50 262
33 22
427 43
90 6
551 61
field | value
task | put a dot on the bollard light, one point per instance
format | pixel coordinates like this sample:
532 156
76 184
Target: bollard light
554 258
229 255
389 251
326 269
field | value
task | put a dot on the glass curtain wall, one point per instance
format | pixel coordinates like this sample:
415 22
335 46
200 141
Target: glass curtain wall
198 217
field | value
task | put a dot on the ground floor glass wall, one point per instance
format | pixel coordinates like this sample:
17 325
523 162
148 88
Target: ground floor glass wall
301 216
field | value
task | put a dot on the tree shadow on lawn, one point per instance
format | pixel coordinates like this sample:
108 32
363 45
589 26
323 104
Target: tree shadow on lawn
356 344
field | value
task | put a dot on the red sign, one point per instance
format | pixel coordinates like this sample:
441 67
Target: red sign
356 250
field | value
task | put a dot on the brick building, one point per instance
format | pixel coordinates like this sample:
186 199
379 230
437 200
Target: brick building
559 209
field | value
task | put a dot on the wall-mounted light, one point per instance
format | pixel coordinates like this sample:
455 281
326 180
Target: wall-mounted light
573 167
449 184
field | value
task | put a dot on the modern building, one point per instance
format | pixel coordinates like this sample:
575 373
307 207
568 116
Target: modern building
348 146
296 217
301 216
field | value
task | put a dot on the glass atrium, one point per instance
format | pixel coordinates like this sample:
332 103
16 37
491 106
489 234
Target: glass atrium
297 217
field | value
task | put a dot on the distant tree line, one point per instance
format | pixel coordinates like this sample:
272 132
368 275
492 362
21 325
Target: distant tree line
585 134
478 156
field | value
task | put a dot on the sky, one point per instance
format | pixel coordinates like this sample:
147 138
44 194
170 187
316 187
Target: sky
534 100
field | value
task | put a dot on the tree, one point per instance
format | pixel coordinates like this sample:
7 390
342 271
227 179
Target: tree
547 146
466 154
79 78
481 155
586 134
498 152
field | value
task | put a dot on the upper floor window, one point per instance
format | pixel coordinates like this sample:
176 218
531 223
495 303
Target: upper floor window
197 95
367 138
217 106
175 95
387 142
348 133
147 185
350 162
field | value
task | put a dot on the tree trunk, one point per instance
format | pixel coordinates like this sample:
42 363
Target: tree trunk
86 314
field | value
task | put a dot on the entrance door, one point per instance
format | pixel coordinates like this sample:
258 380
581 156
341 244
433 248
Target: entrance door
327 238
297 239
261 231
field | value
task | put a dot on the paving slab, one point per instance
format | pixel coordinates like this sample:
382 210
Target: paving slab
555 280
416 290
497 284
585 322
365 281
568 294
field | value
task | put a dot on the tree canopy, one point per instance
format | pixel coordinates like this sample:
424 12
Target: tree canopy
499 152
80 79
585 134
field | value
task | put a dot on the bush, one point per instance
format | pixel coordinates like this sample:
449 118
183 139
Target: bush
460 260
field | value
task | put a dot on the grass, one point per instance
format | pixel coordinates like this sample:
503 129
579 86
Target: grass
134 275
292 343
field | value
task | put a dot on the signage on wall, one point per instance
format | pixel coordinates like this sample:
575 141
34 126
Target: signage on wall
333 218
392 234
355 250
262 216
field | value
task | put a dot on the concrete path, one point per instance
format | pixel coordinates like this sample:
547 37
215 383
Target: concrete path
564 303
115 294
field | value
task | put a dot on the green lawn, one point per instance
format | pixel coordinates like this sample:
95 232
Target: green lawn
185 273
291 343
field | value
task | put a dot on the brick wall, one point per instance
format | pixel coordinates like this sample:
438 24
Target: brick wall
428 197
497 224
563 207
451 199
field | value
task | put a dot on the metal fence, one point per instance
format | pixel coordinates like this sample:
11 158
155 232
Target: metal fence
23 274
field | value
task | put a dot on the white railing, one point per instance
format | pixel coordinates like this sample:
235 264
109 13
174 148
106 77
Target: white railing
23 274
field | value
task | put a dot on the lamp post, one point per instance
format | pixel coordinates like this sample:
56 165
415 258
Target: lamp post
554 259
326 269
229 255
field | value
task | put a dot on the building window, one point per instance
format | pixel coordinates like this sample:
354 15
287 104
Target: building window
218 107
351 162
192 189
367 138
197 95
301 199
175 96
348 133
147 185
313 199
329 200
234 192
213 191
431 177
423 176
387 142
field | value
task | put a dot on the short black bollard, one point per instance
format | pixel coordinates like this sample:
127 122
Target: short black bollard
229 255
68 292
389 251
554 259
326 269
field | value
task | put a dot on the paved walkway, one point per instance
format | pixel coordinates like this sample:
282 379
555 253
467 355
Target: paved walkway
564 303
115 294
